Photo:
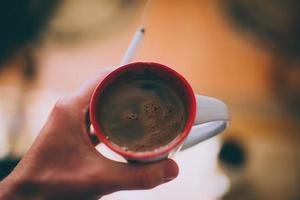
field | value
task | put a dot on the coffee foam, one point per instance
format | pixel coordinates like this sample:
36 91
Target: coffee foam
141 119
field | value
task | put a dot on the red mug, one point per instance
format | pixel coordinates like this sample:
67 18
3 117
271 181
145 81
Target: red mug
206 116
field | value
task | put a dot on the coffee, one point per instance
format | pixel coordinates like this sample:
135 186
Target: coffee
141 113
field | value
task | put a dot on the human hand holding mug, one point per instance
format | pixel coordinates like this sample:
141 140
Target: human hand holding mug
145 112
62 163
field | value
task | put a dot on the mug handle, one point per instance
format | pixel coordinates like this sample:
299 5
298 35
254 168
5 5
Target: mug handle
212 117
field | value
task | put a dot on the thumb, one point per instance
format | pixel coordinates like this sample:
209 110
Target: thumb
140 176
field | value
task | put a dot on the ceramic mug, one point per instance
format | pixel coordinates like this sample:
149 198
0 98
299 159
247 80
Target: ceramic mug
206 116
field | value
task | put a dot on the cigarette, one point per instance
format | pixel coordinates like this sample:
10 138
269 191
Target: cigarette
131 50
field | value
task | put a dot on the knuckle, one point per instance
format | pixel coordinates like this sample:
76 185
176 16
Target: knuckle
61 106
148 180
77 100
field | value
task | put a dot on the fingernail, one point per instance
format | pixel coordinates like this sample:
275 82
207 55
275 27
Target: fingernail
170 171
168 179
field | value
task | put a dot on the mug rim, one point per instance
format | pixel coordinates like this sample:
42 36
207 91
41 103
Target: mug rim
147 154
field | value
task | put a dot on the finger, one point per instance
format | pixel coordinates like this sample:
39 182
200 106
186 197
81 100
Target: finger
78 104
92 136
140 176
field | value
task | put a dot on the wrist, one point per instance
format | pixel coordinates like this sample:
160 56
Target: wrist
6 190
14 189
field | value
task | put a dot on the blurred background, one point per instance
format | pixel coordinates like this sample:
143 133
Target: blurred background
246 53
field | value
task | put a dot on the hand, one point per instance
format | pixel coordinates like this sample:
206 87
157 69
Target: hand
63 163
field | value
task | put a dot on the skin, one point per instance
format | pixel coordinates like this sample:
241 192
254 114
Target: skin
63 164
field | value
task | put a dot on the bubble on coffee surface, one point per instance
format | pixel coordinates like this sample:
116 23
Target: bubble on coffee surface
151 108
132 116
